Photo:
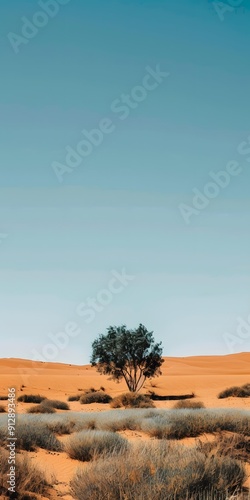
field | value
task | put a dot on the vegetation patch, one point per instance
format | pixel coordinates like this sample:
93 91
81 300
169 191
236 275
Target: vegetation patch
30 398
179 424
37 435
232 445
54 403
29 479
95 397
187 404
41 409
161 472
87 445
235 392
132 400
75 397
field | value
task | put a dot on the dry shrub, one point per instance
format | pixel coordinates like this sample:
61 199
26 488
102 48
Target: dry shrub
187 404
41 409
95 397
2 409
161 472
30 437
132 400
233 445
3 398
54 403
48 406
236 392
62 427
29 479
74 397
179 424
30 398
90 444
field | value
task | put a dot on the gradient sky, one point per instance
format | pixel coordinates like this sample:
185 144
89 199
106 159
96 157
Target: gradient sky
120 207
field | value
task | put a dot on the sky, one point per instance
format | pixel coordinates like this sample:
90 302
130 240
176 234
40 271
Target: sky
161 90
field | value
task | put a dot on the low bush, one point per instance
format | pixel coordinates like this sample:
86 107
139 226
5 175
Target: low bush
48 406
41 409
3 398
87 445
233 445
30 398
29 479
187 404
2 409
161 472
74 397
132 400
178 424
30 437
62 426
235 392
95 397
54 403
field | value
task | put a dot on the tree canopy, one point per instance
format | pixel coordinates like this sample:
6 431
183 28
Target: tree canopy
132 355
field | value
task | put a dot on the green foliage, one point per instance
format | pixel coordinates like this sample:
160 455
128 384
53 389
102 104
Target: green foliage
131 355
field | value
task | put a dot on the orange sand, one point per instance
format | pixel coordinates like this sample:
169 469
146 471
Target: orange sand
206 376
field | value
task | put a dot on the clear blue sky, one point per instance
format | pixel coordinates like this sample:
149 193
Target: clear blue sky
120 207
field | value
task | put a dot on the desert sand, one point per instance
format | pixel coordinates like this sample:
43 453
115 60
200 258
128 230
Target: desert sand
206 376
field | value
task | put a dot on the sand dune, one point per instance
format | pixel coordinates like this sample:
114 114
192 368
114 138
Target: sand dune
204 375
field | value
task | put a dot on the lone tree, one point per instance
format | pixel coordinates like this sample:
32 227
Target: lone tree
129 354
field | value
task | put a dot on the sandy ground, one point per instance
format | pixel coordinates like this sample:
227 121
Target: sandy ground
206 376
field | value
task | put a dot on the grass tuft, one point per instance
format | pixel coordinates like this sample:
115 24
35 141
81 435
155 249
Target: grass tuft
163 472
29 479
235 392
187 404
38 435
30 398
132 400
88 445
95 397
75 397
